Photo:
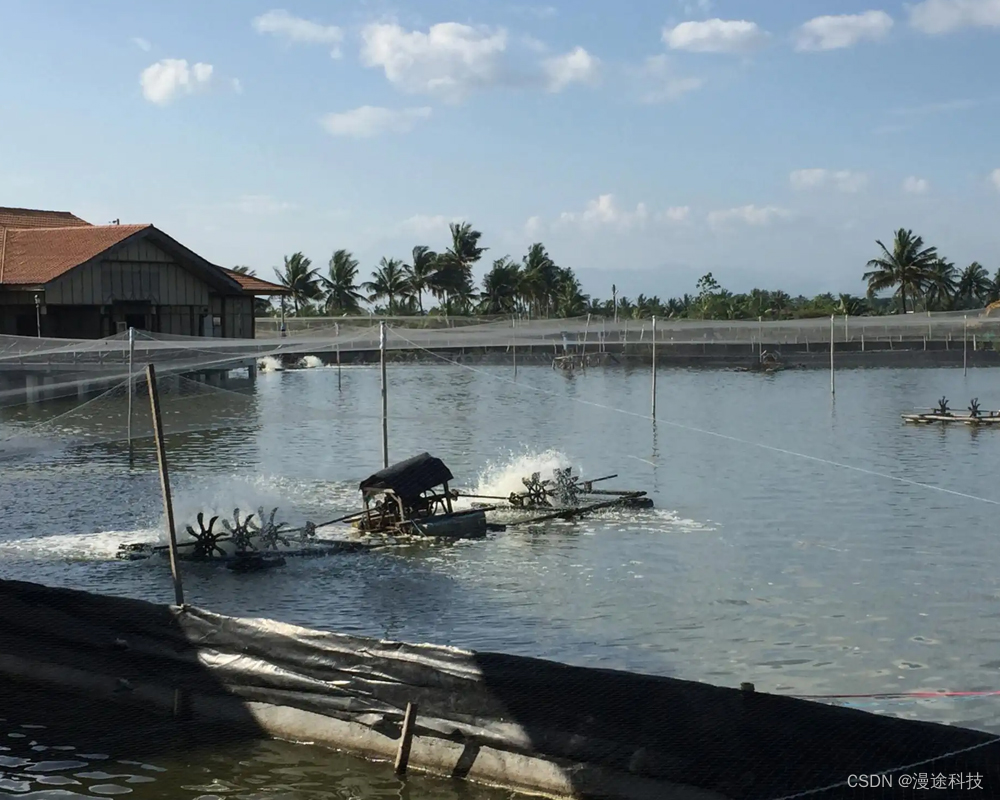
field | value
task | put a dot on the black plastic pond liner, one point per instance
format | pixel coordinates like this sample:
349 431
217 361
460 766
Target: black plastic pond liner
527 724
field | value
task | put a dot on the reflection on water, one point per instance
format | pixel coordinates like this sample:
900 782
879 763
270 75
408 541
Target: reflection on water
39 762
758 564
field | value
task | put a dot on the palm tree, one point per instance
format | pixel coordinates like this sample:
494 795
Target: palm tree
465 247
850 305
388 281
501 287
541 279
300 280
907 266
974 285
342 295
941 285
421 272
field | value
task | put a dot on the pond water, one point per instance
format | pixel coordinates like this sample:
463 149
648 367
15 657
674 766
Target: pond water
813 545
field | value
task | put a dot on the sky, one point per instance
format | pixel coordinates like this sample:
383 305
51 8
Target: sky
644 143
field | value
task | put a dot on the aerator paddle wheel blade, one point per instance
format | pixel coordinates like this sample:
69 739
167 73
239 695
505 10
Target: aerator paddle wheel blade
206 540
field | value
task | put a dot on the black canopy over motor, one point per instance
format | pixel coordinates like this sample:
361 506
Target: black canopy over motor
409 479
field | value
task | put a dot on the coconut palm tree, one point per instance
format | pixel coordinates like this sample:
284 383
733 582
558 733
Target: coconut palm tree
342 295
388 281
907 266
300 280
465 249
569 300
501 287
939 291
974 285
541 279
421 272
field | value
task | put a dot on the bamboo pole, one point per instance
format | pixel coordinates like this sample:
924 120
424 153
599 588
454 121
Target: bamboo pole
168 506
131 356
653 414
833 318
583 350
965 346
385 404
336 329
513 343
406 739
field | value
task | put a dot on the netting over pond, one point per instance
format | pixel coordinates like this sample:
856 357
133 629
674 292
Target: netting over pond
64 367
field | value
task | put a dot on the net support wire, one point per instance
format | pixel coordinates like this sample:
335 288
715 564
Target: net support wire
717 434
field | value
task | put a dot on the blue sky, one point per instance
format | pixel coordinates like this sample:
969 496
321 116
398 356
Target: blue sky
645 143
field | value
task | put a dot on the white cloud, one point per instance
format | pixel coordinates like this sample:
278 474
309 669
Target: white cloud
576 66
695 7
449 61
944 16
749 215
537 12
915 185
995 177
604 211
675 215
844 30
715 36
427 225
261 205
163 81
295 29
142 44
237 86
533 226
369 121
664 84
843 180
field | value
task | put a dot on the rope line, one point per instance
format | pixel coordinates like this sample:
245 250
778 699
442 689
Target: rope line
716 434
842 784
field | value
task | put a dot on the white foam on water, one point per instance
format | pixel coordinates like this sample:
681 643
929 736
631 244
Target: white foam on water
270 364
98 546
311 362
504 477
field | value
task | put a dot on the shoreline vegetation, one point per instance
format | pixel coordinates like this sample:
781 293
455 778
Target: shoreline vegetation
917 277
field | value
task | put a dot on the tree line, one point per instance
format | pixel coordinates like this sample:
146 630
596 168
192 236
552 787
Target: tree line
918 277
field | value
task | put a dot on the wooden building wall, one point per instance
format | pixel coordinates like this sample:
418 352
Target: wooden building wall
139 272
139 284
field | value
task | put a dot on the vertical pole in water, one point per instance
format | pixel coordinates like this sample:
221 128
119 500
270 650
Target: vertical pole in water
965 346
654 370
833 318
336 329
513 343
168 506
405 740
583 351
385 406
131 354
760 334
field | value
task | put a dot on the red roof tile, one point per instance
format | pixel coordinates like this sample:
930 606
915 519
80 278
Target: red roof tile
33 256
255 285
32 218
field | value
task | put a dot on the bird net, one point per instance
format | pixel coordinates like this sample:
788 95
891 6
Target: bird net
33 368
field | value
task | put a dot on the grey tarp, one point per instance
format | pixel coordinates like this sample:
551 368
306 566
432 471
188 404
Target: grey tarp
739 744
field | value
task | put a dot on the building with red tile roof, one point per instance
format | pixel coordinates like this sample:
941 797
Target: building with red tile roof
62 277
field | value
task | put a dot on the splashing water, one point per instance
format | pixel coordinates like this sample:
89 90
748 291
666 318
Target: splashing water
311 362
502 478
270 364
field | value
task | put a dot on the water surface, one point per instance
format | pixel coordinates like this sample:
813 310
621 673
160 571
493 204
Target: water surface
802 542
